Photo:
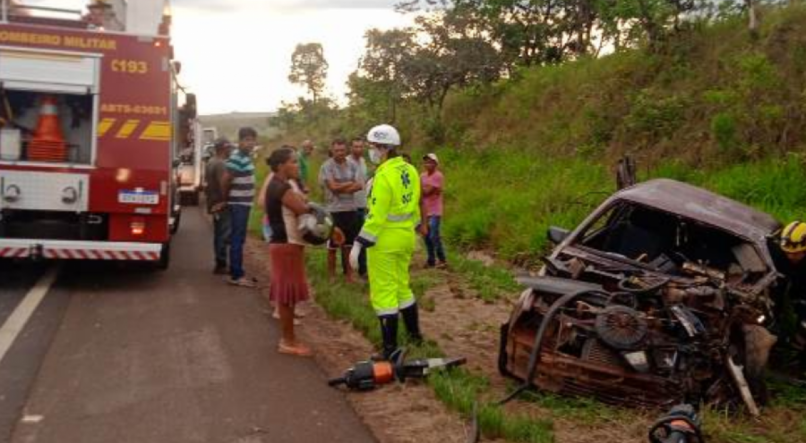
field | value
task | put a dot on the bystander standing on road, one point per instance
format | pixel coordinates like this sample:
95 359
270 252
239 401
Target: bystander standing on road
240 189
340 180
433 184
261 198
357 157
284 203
215 172
267 230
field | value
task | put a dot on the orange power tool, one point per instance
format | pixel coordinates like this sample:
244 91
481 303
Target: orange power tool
368 375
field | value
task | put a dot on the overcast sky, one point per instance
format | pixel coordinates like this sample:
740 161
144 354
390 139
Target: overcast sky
236 54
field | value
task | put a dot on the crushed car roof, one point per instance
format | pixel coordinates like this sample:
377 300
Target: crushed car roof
698 204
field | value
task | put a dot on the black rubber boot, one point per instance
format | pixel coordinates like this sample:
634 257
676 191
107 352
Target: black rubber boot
389 335
411 317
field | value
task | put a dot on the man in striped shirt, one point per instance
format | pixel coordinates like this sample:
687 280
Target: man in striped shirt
239 186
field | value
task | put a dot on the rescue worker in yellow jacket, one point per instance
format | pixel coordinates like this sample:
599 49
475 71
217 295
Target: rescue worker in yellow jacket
393 204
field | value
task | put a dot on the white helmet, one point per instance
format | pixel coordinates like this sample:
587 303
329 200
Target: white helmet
384 135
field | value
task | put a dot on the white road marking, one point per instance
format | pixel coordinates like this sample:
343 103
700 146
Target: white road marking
16 322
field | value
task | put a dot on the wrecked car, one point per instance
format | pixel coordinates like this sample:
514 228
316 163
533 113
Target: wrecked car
661 296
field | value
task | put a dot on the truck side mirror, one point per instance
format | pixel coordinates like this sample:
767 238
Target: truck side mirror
558 235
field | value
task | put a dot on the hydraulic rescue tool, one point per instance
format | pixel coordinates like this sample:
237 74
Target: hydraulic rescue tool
368 375
680 425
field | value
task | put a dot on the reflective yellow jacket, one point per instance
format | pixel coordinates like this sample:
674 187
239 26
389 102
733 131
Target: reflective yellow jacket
393 203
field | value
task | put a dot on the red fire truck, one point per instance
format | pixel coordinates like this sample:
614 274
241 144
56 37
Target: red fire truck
90 127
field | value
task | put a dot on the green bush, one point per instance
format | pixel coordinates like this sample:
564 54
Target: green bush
656 116
758 74
723 128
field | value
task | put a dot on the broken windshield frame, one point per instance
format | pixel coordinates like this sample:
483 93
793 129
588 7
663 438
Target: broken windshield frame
606 218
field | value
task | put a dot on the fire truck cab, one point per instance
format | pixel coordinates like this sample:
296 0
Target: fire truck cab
90 109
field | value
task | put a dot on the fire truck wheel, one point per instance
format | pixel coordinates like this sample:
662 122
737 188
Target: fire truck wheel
175 225
165 257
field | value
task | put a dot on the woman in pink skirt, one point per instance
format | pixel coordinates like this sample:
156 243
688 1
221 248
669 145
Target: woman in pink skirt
286 250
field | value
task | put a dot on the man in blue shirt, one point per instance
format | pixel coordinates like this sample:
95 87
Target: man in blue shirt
239 187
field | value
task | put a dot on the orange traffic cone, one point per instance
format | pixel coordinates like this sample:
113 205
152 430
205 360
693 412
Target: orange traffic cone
48 142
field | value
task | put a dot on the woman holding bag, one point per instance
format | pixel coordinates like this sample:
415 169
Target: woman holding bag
284 205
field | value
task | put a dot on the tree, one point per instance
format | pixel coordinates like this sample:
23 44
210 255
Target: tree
309 68
457 54
539 32
445 50
383 66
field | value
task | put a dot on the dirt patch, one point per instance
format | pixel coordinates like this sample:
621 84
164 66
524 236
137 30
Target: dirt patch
397 413
481 256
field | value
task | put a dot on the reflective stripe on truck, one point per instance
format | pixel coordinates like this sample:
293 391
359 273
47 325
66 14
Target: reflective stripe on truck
79 250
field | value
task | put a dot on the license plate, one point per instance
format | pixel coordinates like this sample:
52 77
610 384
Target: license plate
138 197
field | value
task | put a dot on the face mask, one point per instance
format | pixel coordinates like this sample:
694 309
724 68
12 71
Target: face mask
375 156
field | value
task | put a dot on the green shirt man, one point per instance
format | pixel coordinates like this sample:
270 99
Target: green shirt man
304 156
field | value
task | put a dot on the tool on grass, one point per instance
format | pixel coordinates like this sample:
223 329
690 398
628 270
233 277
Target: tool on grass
368 375
681 425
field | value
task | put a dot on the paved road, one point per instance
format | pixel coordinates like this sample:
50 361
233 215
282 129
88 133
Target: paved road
116 355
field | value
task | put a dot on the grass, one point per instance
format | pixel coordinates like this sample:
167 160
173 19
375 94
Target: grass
490 282
457 389
420 284
583 410
521 196
773 185
777 424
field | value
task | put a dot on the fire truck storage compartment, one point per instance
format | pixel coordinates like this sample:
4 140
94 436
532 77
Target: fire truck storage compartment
48 107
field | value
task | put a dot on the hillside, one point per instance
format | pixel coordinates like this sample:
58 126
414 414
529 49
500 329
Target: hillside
713 96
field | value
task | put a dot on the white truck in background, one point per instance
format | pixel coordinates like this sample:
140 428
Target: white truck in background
191 166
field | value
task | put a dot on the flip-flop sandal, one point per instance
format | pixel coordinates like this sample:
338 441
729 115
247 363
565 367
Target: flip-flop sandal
242 282
297 351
